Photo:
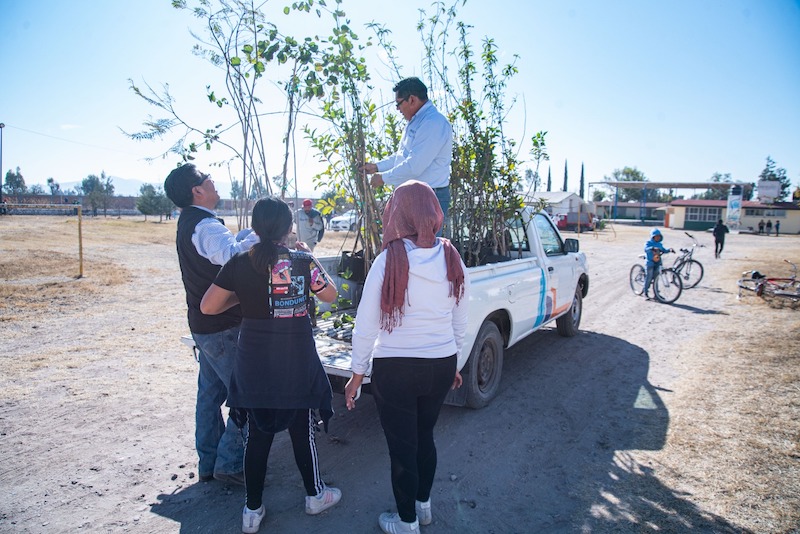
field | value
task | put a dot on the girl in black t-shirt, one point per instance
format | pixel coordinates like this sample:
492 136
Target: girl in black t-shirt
278 380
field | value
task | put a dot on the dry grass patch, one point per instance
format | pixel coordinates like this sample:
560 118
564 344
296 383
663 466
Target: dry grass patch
36 281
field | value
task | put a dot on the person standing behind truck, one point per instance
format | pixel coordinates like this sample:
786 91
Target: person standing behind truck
309 224
411 322
426 148
204 244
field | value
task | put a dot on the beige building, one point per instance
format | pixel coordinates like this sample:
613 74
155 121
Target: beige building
704 214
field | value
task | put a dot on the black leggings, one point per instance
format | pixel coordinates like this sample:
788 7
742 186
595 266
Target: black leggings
256 454
719 244
409 393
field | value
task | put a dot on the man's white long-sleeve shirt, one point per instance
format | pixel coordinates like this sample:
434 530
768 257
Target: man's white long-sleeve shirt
433 325
216 243
425 152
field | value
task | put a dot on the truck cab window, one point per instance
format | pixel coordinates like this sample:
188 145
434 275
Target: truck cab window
516 236
551 242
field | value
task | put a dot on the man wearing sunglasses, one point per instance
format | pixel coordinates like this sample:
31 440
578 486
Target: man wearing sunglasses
426 148
204 245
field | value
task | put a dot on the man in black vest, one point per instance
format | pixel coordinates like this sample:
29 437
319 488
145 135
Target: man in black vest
204 245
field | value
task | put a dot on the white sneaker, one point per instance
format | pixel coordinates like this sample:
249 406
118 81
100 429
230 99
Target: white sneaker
251 519
392 524
326 498
424 515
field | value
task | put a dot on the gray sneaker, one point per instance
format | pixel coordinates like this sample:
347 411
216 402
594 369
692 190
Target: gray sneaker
392 524
423 512
251 519
326 498
230 478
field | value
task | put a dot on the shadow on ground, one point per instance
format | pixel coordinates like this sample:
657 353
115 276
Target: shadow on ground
550 454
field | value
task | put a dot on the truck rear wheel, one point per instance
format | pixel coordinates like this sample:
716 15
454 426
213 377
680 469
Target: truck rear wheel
567 325
484 366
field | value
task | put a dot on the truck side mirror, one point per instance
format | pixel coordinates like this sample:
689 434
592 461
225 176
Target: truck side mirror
571 245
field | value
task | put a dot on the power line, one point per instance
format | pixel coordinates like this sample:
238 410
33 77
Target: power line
71 141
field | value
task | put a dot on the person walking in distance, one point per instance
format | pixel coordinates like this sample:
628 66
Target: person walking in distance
777 228
278 381
411 323
426 148
769 226
719 232
204 244
309 224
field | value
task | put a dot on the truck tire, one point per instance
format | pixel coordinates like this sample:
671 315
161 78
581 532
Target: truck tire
567 325
484 367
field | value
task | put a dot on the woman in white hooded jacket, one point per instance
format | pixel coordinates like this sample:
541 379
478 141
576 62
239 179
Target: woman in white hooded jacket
411 322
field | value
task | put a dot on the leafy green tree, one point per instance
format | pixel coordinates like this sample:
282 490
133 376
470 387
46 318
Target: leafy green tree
549 180
153 201
539 153
92 187
15 183
583 183
469 85
565 176
98 191
770 172
36 189
716 193
107 184
598 195
632 174
244 42
55 188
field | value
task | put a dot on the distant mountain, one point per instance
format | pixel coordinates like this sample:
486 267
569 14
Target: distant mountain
126 187
123 187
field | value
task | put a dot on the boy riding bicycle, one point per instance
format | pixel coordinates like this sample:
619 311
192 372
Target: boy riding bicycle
653 249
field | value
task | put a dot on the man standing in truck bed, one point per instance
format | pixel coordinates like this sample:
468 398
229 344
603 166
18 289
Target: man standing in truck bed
426 148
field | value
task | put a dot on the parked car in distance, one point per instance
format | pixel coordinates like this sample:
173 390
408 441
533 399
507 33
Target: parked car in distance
345 221
569 221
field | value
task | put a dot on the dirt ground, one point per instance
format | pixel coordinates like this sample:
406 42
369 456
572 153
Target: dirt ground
655 418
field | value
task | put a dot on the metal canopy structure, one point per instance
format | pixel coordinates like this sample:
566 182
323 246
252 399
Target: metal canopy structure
674 185
665 185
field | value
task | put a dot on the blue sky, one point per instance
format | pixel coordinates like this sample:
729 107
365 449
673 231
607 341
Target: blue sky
679 89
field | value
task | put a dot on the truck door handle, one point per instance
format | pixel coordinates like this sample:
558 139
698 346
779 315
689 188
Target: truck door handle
550 269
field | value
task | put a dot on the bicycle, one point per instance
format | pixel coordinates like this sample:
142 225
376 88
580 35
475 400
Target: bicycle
762 285
667 284
690 270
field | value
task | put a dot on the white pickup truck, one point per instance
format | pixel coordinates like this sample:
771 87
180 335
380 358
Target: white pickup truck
542 278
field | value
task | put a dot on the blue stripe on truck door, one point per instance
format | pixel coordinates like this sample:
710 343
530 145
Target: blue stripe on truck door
540 314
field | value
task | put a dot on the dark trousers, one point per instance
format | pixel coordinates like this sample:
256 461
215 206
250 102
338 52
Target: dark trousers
409 393
719 244
256 454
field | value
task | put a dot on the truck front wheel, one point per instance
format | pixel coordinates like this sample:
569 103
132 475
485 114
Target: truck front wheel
484 366
567 325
